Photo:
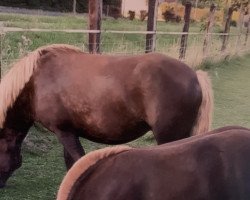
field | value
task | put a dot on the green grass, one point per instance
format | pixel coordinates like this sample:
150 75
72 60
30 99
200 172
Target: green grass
46 22
231 85
81 22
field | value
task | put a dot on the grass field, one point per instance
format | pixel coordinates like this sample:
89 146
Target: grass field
43 166
231 85
81 22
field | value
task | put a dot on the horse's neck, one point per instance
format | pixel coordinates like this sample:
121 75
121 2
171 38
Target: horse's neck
19 117
18 120
16 126
14 137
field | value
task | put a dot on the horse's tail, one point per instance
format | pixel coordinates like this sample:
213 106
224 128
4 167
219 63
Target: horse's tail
204 118
14 81
82 165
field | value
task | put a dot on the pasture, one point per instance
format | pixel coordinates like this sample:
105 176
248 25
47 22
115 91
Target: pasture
43 166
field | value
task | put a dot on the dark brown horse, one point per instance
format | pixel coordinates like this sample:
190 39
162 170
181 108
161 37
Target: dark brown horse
210 167
106 99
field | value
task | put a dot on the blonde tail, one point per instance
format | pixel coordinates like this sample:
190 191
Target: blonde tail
204 118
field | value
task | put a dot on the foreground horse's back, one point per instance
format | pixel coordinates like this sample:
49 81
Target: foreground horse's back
211 167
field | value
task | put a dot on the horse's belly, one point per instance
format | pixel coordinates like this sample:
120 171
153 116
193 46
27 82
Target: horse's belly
114 132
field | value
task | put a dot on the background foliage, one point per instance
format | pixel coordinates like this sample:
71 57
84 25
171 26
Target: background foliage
52 5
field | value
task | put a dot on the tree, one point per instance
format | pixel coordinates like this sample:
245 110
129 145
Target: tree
74 6
202 3
219 3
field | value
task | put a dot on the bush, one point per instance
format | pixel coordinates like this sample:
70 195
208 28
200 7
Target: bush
34 3
112 11
169 15
233 23
203 26
131 14
52 5
143 15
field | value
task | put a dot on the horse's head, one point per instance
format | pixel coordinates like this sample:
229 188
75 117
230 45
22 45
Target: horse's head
10 156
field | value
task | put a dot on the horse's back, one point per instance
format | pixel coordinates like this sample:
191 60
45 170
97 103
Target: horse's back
209 167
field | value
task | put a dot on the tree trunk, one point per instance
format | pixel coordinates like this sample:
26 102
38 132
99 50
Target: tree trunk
195 11
240 22
184 37
74 7
151 25
175 7
1 47
95 16
247 32
209 28
227 29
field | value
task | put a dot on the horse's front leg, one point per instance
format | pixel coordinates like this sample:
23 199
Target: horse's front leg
72 148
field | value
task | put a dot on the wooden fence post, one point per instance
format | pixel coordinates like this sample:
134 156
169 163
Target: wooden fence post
1 48
227 29
209 27
1 55
151 25
95 17
74 7
247 32
184 37
240 22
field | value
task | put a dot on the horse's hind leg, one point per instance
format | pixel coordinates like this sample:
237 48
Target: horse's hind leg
69 160
172 128
72 148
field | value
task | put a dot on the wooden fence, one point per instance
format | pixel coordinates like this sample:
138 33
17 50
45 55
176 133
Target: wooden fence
205 44
95 17
194 45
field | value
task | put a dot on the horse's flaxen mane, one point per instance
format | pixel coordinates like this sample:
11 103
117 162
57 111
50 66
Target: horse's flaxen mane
82 165
14 81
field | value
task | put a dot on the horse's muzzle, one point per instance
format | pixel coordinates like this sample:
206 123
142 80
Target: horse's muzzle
3 180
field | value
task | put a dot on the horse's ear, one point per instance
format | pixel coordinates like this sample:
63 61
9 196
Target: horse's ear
3 145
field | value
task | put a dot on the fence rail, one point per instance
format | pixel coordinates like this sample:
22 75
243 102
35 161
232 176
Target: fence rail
14 29
166 42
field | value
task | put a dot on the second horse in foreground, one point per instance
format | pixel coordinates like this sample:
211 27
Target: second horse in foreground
210 167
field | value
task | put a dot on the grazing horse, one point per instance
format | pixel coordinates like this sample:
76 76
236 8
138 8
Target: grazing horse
106 99
214 166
